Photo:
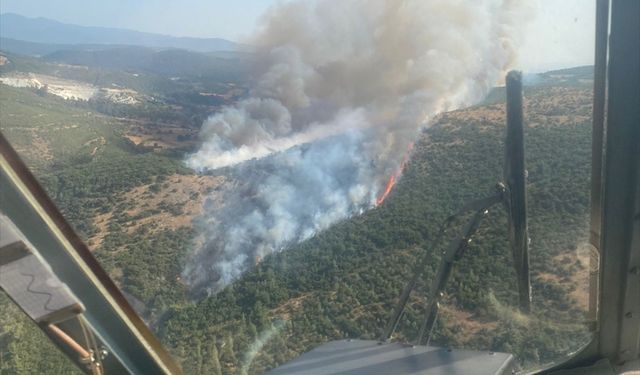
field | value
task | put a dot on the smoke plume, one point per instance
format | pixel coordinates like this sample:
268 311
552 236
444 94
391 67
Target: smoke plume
342 90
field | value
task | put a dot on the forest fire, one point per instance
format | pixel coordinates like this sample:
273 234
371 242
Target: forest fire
395 177
390 184
337 91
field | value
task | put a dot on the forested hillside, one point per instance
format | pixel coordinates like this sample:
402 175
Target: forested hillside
132 206
85 164
343 283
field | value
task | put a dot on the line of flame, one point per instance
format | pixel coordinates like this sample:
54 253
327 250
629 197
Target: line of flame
395 177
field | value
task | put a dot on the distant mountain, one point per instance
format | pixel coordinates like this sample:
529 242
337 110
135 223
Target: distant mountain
42 30
168 62
22 47
576 76
578 72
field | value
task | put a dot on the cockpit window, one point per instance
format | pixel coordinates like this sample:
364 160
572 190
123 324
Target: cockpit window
256 197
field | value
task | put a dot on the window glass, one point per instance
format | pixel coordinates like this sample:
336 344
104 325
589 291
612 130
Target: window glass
254 199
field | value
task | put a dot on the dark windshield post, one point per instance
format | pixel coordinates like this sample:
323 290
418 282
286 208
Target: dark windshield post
515 178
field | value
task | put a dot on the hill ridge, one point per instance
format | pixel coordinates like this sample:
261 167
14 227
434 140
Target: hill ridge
48 31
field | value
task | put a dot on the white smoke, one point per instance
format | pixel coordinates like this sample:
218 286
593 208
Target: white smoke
342 90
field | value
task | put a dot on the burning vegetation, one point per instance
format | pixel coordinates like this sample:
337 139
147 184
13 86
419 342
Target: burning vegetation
342 89
395 177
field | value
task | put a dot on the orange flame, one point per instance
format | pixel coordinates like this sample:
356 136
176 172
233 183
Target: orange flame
387 190
394 177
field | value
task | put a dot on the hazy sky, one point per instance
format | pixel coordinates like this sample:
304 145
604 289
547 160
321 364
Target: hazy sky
560 36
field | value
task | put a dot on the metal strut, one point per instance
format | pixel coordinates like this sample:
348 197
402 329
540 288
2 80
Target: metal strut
479 206
515 179
512 193
454 253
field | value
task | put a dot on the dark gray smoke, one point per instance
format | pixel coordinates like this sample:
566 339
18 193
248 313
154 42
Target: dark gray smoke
344 88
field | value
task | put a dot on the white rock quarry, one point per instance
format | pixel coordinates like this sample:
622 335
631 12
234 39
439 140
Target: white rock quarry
70 89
